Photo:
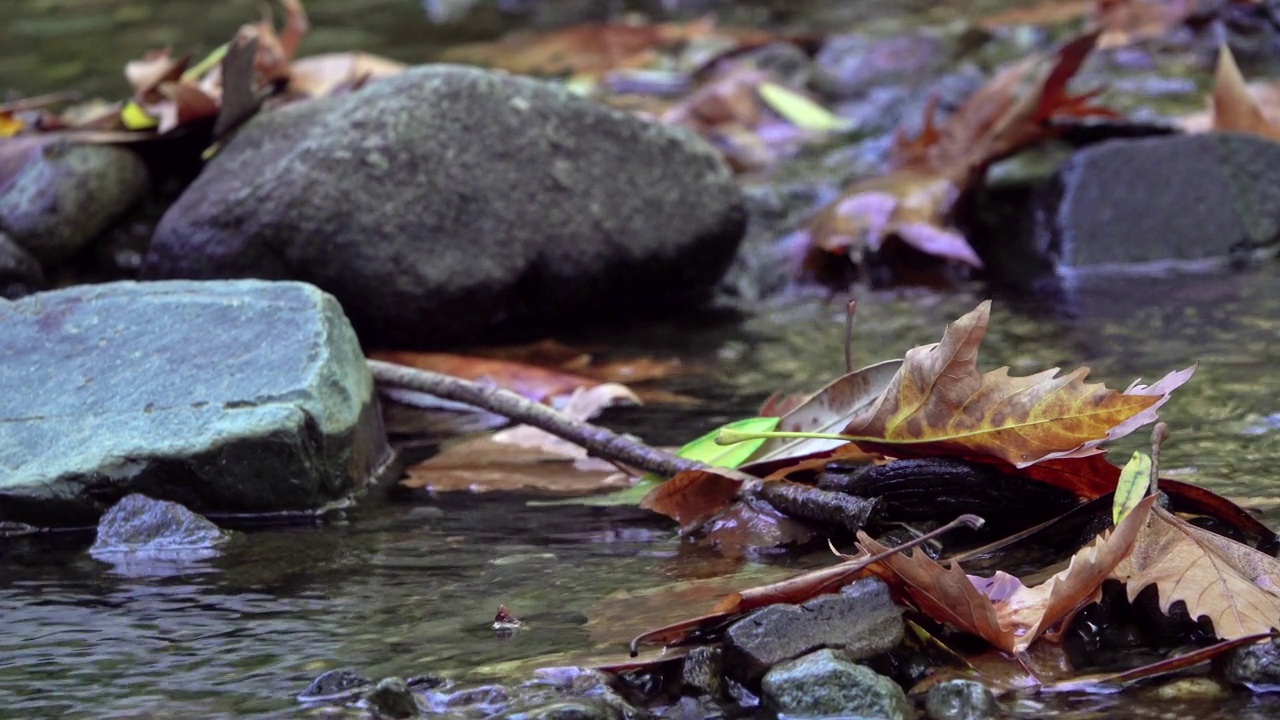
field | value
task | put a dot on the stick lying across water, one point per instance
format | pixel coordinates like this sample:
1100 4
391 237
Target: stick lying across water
594 439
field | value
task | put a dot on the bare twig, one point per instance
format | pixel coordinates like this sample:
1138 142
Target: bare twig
1159 434
594 439
850 309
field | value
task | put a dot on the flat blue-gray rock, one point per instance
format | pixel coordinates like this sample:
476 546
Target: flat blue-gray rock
226 397
448 205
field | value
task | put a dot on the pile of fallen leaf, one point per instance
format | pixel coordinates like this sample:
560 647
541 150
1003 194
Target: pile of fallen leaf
1043 430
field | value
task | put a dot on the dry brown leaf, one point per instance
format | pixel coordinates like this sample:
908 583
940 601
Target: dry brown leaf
1235 586
940 404
1234 108
1000 609
323 75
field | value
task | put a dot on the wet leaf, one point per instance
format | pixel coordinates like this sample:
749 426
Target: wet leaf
529 381
1000 609
526 458
1135 481
694 495
1162 667
800 110
1235 586
828 410
940 404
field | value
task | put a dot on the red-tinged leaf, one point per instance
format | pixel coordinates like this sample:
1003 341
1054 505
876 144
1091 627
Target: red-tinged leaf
155 67
694 495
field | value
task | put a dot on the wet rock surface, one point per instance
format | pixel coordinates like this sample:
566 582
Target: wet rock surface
1256 666
1176 198
559 693
448 187
862 621
960 700
827 684
65 195
142 526
242 397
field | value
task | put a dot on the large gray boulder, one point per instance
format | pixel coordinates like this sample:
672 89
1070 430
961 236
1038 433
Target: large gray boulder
226 397
451 204
1154 200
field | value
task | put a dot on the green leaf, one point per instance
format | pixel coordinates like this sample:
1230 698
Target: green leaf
704 449
707 449
800 110
1135 480
135 118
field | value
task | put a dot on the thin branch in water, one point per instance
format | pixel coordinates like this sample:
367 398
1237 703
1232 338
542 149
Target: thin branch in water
850 309
1159 434
597 441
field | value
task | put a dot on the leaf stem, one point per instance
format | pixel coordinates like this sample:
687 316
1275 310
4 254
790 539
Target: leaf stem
729 436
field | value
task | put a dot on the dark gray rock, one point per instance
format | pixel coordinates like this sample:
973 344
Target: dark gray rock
961 700
862 621
451 204
700 672
65 195
1255 666
827 684
142 526
391 698
1176 198
240 396
340 685
20 272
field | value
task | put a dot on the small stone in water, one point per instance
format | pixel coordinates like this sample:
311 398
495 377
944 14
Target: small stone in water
338 684
960 700
392 699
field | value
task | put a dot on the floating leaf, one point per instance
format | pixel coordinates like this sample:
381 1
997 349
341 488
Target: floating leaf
1135 480
799 110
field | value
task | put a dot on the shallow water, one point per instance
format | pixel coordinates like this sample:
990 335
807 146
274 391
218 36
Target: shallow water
406 588
410 588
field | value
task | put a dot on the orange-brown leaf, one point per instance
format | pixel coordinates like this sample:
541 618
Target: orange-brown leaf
693 495
940 404
1000 609
1235 586
1234 108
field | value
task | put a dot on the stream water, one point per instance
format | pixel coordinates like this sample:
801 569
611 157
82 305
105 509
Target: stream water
407 588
